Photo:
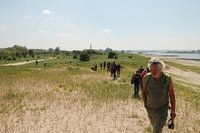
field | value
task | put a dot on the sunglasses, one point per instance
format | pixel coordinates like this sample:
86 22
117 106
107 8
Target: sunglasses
154 63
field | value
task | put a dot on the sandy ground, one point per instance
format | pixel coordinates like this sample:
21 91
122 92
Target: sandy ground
76 116
184 62
73 115
23 63
186 76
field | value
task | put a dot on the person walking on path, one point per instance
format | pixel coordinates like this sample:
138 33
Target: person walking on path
119 68
136 81
158 92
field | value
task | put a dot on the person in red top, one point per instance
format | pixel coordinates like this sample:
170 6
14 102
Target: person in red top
144 72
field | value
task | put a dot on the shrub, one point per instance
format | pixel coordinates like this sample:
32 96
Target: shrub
84 56
112 55
14 58
130 56
75 56
9 58
31 53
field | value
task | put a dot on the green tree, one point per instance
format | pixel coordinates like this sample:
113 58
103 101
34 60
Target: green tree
9 58
57 50
31 53
50 50
107 50
112 55
84 56
75 56
19 51
18 54
5 54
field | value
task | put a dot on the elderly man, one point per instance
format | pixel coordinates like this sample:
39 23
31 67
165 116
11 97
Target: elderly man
157 92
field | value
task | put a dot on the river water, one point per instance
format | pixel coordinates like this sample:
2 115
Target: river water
192 56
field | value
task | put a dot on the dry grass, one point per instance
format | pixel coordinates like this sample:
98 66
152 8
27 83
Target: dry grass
71 98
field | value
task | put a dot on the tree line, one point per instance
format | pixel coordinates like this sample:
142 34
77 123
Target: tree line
16 52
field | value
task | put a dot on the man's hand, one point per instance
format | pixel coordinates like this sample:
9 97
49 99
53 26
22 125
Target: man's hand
172 115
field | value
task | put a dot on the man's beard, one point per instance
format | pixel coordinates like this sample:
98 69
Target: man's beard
155 76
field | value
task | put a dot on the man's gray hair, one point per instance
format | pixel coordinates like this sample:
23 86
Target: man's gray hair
156 61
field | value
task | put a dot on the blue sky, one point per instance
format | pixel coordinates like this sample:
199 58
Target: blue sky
119 24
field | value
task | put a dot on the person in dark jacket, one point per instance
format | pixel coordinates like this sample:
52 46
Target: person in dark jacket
113 70
136 81
119 68
104 65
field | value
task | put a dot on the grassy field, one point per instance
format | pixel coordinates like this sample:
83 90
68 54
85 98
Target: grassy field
37 98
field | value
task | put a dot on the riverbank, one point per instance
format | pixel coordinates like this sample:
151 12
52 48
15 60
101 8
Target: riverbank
190 62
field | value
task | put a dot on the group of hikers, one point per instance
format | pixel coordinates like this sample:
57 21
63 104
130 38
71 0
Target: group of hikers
136 80
112 67
156 89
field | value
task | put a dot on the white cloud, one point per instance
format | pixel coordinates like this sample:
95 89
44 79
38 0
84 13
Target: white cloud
3 27
42 31
107 31
47 12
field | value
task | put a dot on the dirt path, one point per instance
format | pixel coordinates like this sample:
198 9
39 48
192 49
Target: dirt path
184 62
24 62
185 76
188 77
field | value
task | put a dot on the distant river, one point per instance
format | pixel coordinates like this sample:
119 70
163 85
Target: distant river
175 55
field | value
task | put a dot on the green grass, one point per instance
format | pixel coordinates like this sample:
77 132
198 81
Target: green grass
62 78
37 88
188 93
184 67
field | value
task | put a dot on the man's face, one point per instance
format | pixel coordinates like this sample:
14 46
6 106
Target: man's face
155 70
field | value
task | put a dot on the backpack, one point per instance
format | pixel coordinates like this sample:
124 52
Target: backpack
132 79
